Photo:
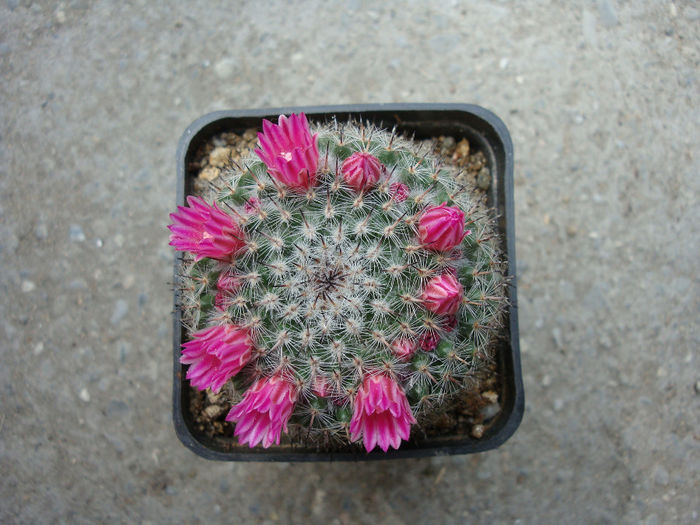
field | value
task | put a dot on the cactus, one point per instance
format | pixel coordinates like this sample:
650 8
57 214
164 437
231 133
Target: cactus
341 281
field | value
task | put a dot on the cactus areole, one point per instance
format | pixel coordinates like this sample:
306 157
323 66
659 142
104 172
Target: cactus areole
340 279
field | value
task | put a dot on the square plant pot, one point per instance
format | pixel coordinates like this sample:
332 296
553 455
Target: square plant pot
486 133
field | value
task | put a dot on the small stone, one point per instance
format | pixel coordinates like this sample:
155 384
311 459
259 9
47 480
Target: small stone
120 310
76 233
250 134
490 396
99 243
546 380
209 173
38 348
119 240
520 79
60 16
212 397
558 404
220 157
571 230
214 411
477 431
490 411
697 387
84 395
661 372
225 68
483 180
462 150
28 286
503 63
449 142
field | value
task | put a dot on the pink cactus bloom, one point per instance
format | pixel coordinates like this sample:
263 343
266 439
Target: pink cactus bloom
264 411
289 151
361 170
205 231
428 341
403 349
226 285
441 227
215 355
442 294
381 414
399 191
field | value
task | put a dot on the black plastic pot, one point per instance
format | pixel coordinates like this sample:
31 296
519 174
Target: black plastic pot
485 132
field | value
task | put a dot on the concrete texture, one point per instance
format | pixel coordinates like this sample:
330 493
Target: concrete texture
601 99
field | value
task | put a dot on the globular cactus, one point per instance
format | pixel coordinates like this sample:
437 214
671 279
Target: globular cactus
342 281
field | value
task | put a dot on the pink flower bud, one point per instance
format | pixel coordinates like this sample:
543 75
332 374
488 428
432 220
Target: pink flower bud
361 170
381 414
399 191
252 205
227 285
215 355
205 231
289 151
263 413
320 387
441 227
403 349
442 294
428 341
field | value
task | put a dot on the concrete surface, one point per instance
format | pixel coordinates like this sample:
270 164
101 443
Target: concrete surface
602 101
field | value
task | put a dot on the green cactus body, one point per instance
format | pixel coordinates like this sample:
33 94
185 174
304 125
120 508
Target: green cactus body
332 278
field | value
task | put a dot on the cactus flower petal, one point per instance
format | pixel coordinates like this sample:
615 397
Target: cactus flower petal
264 411
441 227
442 294
361 170
215 355
289 151
205 231
381 414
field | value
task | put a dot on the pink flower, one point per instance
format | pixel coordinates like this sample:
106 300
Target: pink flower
442 294
403 349
205 231
263 412
361 170
441 227
215 355
289 151
226 285
428 341
399 191
381 414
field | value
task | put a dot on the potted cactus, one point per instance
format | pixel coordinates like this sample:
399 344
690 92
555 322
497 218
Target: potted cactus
338 286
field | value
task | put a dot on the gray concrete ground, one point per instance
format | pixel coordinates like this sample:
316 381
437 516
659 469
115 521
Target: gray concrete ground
602 101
